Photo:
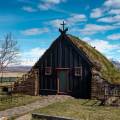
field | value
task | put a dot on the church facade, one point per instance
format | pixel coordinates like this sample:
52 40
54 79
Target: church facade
64 69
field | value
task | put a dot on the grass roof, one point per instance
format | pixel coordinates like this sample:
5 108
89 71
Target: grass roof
108 70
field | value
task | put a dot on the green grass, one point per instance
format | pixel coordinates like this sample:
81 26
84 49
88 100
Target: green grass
16 100
81 110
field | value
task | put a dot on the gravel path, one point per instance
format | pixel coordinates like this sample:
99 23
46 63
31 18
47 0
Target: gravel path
25 117
45 101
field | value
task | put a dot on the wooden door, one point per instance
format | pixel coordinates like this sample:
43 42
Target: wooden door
62 81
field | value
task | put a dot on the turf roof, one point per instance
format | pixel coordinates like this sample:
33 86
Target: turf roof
108 71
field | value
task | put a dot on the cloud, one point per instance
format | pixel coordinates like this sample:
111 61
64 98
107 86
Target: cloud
111 10
96 13
115 11
73 19
103 46
76 18
54 1
90 29
48 4
87 39
30 57
114 36
29 9
109 7
45 6
35 31
112 3
110 19
57 22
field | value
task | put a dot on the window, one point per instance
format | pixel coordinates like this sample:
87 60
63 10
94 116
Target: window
48 71
115 92
78 71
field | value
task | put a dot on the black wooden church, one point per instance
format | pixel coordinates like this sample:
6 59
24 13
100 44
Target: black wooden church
69 66
64 69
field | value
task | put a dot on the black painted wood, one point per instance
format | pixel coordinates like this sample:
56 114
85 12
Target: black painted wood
63 54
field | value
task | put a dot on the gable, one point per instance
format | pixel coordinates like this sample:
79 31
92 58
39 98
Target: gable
63 53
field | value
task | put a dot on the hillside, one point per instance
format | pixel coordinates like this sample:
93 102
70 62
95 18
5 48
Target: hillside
11 73
108 70
18 69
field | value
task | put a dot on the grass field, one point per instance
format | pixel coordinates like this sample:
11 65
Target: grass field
81 110
7 102
9 77
13 74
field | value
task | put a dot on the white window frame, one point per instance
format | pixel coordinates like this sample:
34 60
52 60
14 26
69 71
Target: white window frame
78 71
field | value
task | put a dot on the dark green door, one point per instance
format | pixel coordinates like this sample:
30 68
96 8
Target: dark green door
63 80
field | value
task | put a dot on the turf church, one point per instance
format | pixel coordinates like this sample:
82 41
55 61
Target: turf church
67 68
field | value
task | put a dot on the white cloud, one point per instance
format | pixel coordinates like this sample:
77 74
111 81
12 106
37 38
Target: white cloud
48 4
103 46
112 3
114 36
87 39
29 9
57 22
55 1
35 31
115 11
30 57
110 19
94 28
109 7
74 18
45 6
96 13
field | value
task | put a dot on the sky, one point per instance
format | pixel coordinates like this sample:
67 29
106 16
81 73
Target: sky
34 24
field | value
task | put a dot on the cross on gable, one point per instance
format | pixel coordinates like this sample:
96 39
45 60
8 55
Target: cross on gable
63 30
63 25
